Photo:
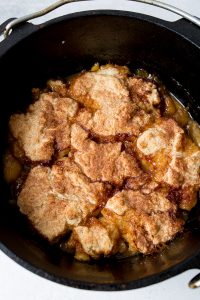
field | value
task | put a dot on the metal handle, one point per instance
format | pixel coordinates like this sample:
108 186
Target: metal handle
59 3
195 282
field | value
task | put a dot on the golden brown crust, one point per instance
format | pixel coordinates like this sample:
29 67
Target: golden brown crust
111 110
45 126
161 146
96 238
59 198
154 202
128 171
145 222
172 159
102 162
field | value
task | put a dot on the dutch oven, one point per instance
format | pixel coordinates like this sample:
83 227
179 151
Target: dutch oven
31 54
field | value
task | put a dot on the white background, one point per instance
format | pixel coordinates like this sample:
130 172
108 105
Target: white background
16 283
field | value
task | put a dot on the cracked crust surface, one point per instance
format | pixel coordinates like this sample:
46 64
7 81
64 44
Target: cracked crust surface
132 222
161 146
102 162
172 158
58 198
109 109
45 126
94 239
144 221
128 173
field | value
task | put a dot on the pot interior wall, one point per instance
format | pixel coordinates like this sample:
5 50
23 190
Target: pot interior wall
66 47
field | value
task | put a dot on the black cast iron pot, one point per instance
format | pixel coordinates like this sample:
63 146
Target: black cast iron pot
32 54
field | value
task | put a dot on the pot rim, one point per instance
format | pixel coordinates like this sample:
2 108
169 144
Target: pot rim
139 283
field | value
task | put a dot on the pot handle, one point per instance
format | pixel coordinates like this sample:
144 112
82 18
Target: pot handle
195 282
59 3
194 264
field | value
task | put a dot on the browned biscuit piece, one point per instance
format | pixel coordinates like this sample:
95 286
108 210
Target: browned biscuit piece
161 148
151 203
144 221
44 127
172 158
94 239
102 162
60 198
108 108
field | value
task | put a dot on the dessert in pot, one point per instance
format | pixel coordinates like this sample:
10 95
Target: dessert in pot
106 160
